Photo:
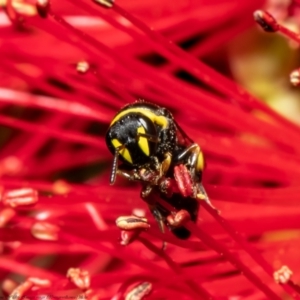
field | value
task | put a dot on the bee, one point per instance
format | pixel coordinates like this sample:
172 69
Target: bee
154 150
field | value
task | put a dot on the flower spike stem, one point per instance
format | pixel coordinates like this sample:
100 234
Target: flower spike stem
236 262
222 250
290 287
198 289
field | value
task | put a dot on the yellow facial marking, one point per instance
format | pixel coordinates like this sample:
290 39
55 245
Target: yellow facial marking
200 161
124 152
142 141
159 120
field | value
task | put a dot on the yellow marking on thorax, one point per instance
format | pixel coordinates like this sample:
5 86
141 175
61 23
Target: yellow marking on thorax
124 152
159 120
142 141
200 161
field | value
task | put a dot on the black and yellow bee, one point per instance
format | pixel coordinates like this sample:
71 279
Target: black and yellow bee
150 144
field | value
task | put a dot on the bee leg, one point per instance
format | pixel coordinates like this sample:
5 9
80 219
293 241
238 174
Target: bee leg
189 179
188 150
146 191
160 221
162 167
165 165
196 163
202 195
155 163
195 169
158 217
195 159
167 186
130 176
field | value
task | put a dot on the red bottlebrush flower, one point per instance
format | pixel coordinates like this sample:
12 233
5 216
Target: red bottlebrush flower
67 67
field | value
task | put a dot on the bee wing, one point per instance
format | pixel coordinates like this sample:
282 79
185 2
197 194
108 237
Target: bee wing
182 137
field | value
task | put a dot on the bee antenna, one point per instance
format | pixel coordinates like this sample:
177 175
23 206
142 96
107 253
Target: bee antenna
114 169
